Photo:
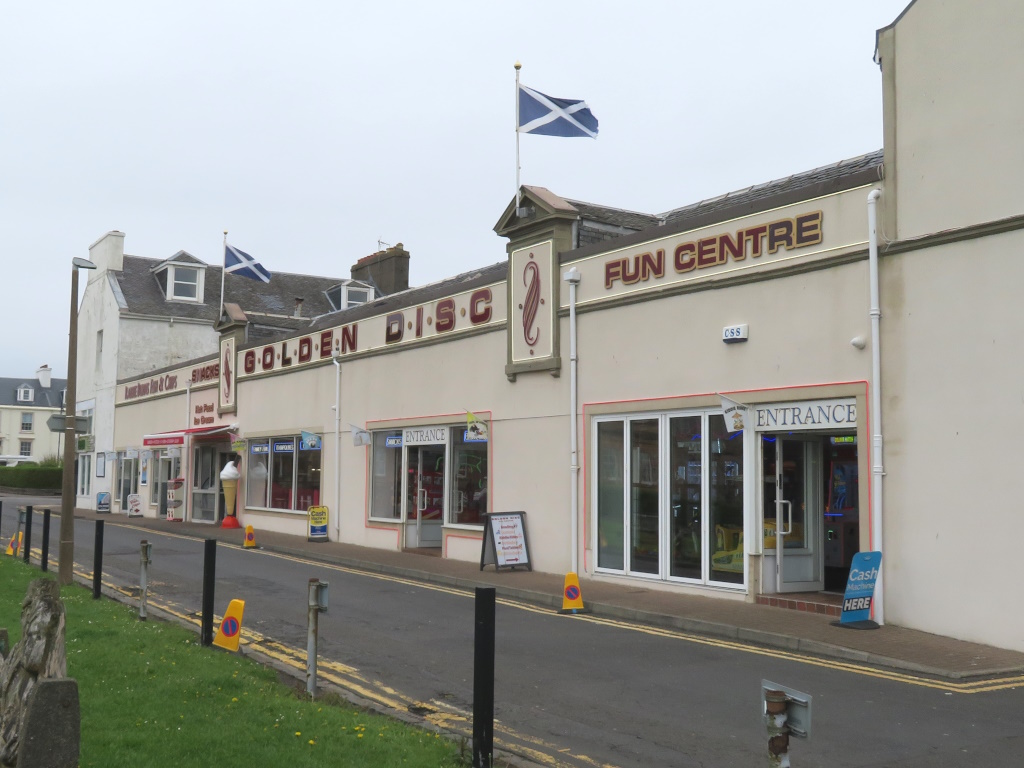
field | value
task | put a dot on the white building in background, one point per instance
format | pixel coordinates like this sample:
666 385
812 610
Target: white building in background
25 405
139 315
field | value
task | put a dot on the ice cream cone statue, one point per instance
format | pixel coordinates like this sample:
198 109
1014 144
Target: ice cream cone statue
229 482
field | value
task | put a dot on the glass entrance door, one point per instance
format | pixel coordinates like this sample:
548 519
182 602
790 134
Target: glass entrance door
424 494
207 499
793 511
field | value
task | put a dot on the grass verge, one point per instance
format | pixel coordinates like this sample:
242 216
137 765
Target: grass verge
151 695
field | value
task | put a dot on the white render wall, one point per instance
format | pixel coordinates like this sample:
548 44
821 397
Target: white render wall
958 117
148 344
953 416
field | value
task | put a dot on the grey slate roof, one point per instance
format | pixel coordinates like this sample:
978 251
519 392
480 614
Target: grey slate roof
616 217
828 179
43 398
144 296
798 183
465 281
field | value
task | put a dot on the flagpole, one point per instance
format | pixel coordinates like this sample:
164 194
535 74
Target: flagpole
518 200
223 270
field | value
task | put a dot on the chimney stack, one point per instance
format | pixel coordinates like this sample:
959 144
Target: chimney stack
388 270
43 374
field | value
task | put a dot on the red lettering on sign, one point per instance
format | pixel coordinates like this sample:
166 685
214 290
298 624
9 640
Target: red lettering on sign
445 315
480 306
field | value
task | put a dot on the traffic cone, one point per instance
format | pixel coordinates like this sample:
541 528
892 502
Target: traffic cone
230 631
250 538
572 598
15 545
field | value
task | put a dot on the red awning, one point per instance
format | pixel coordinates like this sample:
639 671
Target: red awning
178 437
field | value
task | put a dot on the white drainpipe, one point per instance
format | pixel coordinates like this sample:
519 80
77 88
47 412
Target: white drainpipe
877 469
572 277
337 448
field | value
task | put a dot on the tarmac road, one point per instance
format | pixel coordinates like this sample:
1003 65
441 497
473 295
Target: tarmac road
574 691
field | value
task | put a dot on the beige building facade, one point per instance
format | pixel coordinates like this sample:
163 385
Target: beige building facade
684 401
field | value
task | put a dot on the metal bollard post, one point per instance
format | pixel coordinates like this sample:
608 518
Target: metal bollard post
209 584
27 549
483 679
778 731
44 553
97 561
317 603
145 558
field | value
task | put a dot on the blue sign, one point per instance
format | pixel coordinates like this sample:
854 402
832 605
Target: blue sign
259 448
395 441
103 502
860 587
287 446
309 442
473 436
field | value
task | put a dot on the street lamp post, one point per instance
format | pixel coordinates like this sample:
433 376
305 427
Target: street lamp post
67 497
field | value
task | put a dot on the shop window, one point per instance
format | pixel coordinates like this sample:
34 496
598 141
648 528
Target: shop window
469 480
257 472
669 497
283 473
610 473
307 476
386 469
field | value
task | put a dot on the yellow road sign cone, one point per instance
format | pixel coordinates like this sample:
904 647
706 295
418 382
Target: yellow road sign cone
572 598
15 545
250 538
230 631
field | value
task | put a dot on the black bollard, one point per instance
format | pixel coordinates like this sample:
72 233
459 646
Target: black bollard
97 561
209 571
44 554
483 679
27 549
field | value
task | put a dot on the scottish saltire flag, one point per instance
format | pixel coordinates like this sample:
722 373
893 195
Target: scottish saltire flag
238 262
554 117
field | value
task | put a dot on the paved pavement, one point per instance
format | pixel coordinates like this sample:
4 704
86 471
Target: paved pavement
799 631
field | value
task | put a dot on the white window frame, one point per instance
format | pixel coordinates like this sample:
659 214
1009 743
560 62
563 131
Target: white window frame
27 417
296 439
664 549
26 394
84 474
22 445
173 282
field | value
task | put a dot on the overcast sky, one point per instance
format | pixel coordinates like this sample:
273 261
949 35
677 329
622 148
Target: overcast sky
311 130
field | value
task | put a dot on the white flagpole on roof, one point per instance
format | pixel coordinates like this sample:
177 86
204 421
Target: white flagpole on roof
518 67
223 271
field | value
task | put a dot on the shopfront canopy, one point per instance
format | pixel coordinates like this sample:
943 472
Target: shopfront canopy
160 439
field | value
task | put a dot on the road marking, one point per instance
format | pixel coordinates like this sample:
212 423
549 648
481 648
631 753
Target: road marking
997 683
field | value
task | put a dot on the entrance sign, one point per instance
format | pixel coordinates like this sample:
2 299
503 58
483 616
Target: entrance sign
840 413
860 590
425 436
318 520
504 542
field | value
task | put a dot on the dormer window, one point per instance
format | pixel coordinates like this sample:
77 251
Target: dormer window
26 394
349 295
180 278
184 283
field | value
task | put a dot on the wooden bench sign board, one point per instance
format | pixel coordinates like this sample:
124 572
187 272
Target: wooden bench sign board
504 542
